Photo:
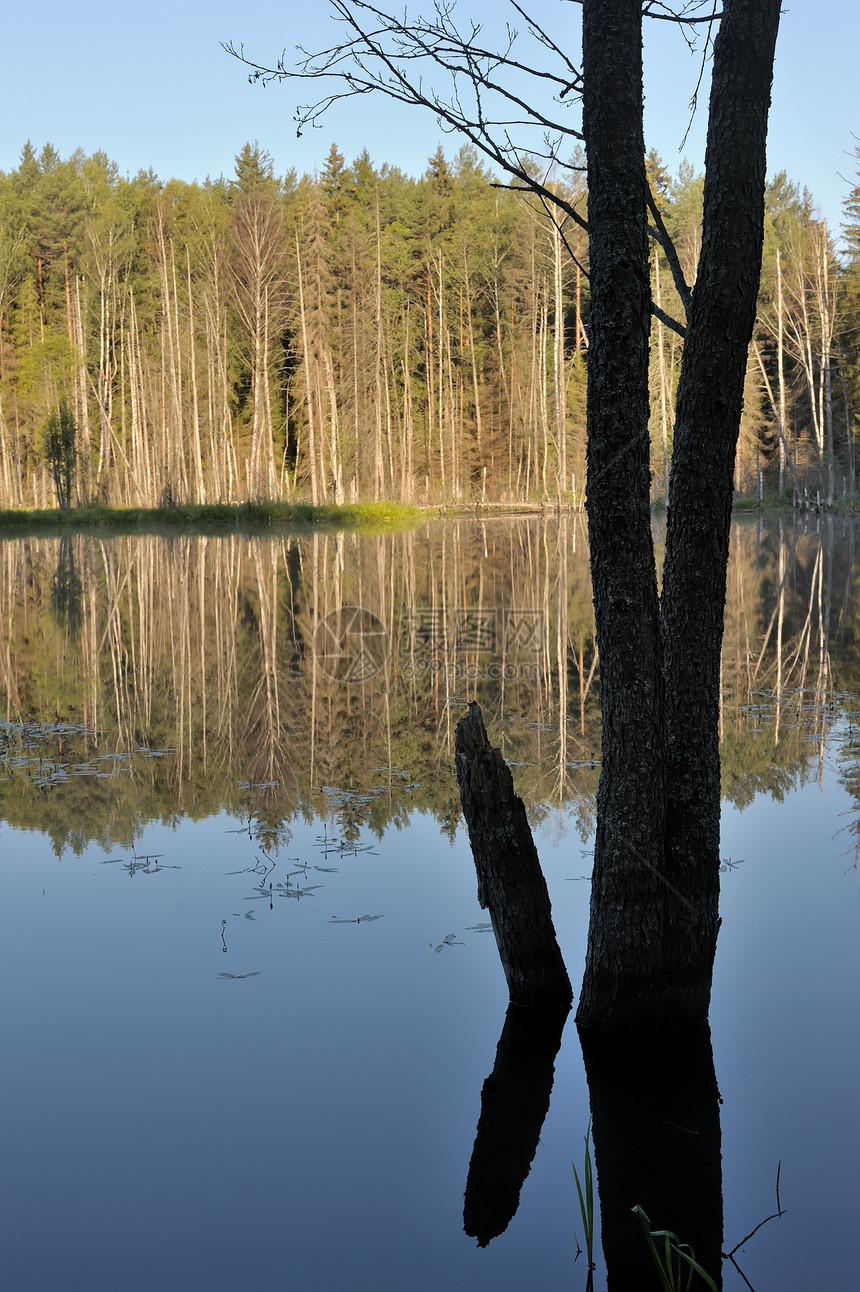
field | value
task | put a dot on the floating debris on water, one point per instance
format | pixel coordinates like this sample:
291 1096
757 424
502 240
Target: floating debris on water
358 919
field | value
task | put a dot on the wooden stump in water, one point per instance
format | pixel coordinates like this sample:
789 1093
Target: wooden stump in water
511 885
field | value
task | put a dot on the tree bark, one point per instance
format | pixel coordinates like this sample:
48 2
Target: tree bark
707 420
625 928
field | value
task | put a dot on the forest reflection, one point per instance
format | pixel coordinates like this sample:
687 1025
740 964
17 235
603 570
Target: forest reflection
311 673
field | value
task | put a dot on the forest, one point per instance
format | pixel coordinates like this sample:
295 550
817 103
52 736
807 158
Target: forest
360 334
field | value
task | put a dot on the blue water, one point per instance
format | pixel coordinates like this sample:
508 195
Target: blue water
310 1126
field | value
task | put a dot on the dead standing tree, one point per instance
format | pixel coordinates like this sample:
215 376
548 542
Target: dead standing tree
655 888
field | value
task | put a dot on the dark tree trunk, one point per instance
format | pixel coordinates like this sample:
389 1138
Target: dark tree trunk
510 881
625 930
654 912
707 420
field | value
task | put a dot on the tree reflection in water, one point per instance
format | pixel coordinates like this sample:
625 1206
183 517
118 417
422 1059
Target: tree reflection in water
655 1127
197 654
656 1131
514 1104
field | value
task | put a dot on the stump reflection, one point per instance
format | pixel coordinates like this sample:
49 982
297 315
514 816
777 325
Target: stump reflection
514 1104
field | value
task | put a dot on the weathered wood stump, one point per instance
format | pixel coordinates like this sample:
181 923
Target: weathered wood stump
511 885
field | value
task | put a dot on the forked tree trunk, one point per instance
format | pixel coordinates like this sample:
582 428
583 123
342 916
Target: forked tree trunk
654 913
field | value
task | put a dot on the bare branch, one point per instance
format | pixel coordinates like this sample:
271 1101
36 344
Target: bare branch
660 234
667 320
545 196
541 35
385 53
685 17
539 188
694 100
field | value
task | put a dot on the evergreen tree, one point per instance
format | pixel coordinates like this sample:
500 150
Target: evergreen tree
851 222
60 448
254 169
334 181
848 329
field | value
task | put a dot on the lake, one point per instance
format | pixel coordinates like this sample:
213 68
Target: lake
250 999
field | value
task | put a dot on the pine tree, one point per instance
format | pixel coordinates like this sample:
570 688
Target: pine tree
60 448
254 170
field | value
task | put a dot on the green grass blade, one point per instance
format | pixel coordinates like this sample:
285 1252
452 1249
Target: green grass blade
687 1254
585 1193
674 1253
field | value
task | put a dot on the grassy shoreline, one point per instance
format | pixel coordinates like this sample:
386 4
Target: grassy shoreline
216 517
219 518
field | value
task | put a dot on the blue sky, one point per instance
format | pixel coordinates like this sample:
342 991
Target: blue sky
151 86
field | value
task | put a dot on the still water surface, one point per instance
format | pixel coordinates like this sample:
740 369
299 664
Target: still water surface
250 1000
